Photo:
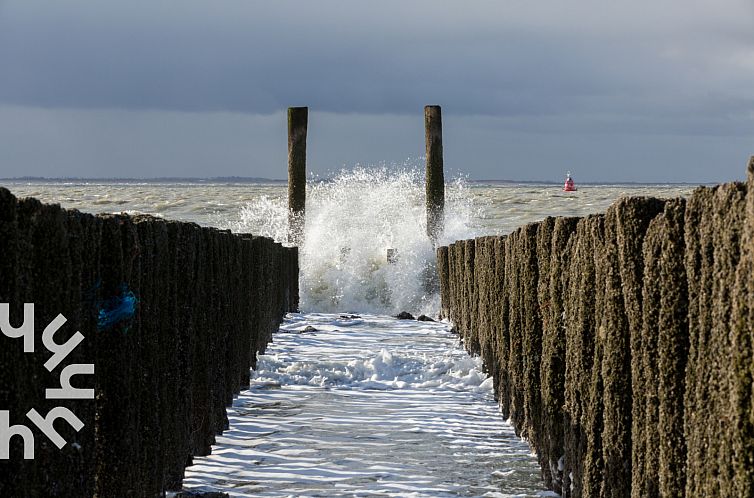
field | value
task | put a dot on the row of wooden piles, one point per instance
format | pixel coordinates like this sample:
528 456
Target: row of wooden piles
621 343
206 302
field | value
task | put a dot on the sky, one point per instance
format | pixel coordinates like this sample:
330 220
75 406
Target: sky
618 90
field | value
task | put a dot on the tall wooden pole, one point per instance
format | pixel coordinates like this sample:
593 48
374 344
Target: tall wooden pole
435 177
297 123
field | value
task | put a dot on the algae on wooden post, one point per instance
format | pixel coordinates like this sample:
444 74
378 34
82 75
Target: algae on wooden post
485 329
502 340
742 330
443 273
673 347
553 242
710 374
626 222
468 284
583 396
644 371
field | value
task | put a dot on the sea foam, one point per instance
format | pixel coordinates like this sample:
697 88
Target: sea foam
352 220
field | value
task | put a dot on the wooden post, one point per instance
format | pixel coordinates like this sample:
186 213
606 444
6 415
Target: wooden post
435 178
297 124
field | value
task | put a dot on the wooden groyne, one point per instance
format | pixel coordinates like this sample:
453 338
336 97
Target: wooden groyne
173 316
621 343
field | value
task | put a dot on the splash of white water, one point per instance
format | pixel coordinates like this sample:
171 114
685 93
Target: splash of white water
351 222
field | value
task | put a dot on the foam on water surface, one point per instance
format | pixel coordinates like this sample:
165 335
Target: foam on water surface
367 406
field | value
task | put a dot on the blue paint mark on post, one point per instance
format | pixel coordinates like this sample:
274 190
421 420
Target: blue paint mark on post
117 309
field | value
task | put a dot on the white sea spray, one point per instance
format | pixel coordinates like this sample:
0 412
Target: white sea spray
352 220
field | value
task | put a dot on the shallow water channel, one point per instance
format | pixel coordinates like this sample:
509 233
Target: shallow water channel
367 406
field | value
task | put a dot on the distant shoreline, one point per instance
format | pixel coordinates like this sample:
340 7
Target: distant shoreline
276 181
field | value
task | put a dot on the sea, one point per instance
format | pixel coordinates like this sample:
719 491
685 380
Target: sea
348 400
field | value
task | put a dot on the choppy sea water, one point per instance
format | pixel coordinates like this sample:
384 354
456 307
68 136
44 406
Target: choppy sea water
498 209
367 406
351 222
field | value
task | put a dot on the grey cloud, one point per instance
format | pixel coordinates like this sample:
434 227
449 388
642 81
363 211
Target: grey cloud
479 58
119 143
134 144
188 87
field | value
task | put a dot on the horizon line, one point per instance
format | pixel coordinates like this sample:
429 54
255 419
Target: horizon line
257 179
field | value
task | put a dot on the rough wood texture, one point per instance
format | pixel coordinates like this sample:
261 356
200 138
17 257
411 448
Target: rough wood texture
621 344
208 302
435 179
298 118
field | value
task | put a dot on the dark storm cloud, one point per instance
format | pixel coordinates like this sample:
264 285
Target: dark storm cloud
377 57
189 87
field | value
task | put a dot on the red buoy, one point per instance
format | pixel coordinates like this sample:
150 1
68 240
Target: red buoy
569 186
